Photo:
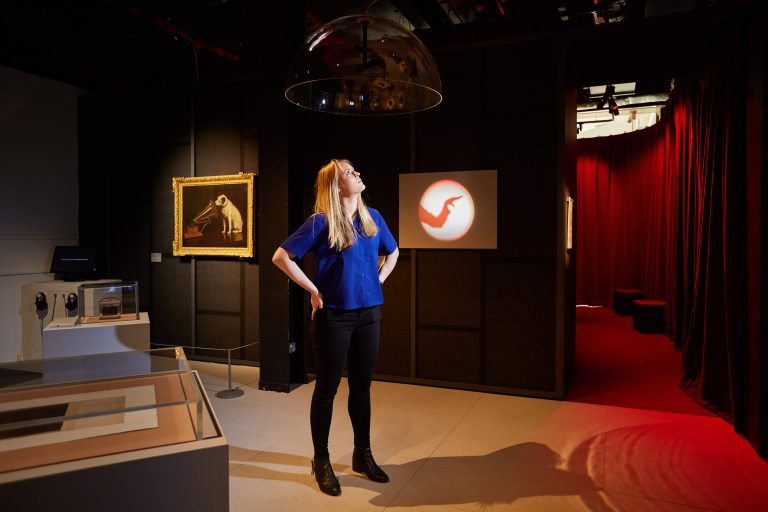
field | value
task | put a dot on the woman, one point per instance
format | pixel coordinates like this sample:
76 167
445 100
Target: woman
345 238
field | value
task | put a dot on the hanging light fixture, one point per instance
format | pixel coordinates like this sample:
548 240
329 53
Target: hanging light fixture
363 65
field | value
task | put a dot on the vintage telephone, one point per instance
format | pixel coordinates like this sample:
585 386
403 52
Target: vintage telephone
41 305
70 304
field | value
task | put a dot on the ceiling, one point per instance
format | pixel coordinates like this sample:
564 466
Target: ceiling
108 45
120 45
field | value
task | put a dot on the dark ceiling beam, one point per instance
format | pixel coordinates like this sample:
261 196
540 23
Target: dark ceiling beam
635 9
175 30
431 12
409 12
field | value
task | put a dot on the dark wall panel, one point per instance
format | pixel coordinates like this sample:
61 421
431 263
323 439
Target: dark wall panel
251 110
395 348
526 212
217 331
169 111
519 75
452 136
454 356
521 142
520 325
274 45
170 314
526 180
251 313
251 158
171 162
218 130
116 145
449 286
218 286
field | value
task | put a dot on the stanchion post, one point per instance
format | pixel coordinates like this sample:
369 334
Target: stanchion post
229 392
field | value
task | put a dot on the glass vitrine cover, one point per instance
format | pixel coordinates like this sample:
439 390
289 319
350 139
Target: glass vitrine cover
108 302
60 409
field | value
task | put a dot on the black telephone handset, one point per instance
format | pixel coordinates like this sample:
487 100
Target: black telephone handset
71 303
41 305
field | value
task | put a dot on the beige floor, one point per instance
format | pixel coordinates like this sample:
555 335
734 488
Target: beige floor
453 450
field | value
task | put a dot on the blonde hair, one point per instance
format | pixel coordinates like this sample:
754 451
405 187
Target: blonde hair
341 231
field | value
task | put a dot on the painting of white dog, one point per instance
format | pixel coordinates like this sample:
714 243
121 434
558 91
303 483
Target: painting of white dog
232 220
213 215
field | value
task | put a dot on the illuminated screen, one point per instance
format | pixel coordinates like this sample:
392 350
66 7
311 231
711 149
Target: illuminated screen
448 210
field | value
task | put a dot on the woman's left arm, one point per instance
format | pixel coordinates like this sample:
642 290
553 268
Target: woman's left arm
386 268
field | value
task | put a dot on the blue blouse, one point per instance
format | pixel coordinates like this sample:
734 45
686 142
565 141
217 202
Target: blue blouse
347 279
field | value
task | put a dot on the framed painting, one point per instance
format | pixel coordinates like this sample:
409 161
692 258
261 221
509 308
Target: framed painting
213 216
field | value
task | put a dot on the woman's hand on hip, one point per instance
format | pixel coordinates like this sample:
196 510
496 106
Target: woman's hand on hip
317 303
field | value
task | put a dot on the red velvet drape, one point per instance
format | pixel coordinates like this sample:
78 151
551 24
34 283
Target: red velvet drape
626 196
662 210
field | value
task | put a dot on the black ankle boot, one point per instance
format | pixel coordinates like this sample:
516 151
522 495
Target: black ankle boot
362 462
325 477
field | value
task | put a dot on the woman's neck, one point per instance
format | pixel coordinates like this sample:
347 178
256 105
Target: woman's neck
350 206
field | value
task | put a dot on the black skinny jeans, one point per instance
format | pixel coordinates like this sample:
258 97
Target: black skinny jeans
351 336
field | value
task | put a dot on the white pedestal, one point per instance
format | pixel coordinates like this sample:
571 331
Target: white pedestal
62 338
31 325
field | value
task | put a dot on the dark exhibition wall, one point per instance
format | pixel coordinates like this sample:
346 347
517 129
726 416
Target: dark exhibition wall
468 318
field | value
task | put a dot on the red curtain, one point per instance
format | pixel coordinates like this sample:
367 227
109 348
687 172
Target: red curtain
625 201
662 210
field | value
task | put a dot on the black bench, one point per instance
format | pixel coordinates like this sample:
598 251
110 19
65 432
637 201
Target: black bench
622 300
649 316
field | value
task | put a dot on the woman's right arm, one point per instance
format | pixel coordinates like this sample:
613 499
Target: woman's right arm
284 261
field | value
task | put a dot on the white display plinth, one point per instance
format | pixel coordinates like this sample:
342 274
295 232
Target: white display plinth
31 324
62 338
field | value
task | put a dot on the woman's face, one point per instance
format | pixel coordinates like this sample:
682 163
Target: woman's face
350 183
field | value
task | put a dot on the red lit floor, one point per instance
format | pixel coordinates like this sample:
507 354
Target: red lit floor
616 365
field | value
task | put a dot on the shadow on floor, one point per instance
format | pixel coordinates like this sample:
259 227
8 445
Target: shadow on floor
500 477
241 460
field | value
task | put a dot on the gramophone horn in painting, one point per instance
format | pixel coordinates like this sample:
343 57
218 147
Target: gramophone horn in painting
363 65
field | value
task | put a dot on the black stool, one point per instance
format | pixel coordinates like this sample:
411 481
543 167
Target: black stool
622 300
649 316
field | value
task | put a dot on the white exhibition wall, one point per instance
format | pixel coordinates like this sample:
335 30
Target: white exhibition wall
38 188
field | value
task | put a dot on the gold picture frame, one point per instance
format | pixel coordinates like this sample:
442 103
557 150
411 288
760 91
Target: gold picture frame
213 215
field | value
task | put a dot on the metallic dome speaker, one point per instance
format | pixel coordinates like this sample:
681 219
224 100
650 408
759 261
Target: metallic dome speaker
363 65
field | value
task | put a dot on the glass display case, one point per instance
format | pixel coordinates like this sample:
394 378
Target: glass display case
63 409
110 431
108 302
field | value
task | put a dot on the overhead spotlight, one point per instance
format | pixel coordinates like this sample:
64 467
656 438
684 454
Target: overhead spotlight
601 102
608 94
613 108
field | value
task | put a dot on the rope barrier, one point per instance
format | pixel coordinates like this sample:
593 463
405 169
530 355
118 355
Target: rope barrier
224 393
204 348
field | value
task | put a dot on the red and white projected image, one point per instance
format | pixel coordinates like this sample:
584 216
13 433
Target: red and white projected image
446 210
